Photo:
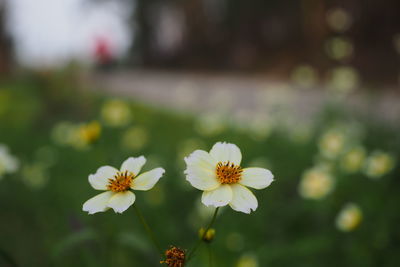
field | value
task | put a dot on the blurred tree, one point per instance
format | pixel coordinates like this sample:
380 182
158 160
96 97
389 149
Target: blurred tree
5 44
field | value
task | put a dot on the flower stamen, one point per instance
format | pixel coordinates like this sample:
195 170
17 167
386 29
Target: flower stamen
121 181
228 173
175 257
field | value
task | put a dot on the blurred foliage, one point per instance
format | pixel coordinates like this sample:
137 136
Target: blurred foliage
43 223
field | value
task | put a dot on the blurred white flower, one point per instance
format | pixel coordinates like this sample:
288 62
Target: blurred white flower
260 127
339 48
63 133
134 138
210 124
8 162
332 143
116 113
304 76
79 136
35 175
301 132
378 164
117 185
338 19
343 80
353 159
247 260
219 174
316 183
349 217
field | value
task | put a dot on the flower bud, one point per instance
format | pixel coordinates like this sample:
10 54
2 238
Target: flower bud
207 237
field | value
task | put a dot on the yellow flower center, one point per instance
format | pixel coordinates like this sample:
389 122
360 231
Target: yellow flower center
121 181
228 173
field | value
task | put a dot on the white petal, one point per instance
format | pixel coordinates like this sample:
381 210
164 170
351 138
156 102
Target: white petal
257 178
12 164
121 201
223 152
133 165
98 203
99 180
200 170
243 199
147 180
218 197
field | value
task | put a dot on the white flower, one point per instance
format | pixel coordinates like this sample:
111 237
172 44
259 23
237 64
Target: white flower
353 160
349 217
378 164
8 163
219 174
331 143
316 183
117 185
116 113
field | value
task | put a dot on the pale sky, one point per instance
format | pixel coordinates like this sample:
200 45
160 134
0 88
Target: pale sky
49 33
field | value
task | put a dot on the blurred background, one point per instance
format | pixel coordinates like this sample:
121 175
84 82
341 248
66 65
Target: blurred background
308 89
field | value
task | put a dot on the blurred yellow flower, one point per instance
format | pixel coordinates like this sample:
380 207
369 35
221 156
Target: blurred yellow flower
349 217
353 160
116 113
134 138
331 143
378 164
64 133
338 19
8 163
78 136
247 260
90 132
316 183
343 80
35 175
304 76
339 48
219 174
118 183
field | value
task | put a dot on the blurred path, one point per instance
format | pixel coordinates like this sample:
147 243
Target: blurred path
249 95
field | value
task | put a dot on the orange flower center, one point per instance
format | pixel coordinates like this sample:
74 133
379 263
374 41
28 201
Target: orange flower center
121 181
174 257
228 173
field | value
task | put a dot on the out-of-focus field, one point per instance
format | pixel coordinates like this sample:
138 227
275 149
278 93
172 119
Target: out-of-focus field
60 131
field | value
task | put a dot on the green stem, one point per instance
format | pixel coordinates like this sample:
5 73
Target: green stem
210 263
148 230
191 252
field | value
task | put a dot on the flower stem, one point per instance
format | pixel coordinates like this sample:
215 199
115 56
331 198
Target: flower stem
148 230
191 252
210 263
